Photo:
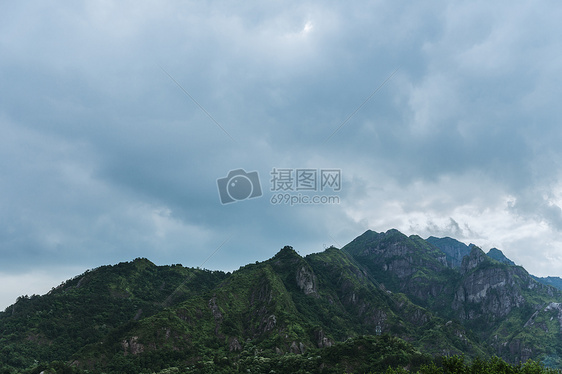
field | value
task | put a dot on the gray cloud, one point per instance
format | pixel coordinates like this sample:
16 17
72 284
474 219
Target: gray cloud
103 157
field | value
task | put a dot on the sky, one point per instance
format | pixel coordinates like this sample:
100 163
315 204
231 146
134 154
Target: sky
199 132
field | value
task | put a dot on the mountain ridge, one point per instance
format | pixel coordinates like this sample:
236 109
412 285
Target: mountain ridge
124 317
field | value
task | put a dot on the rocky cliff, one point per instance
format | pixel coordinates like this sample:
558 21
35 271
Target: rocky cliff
453 249
493 299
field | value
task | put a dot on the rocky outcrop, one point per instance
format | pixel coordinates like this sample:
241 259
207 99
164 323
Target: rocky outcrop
234 345
557 307
306 280
217 315
297 348
132 346
475 258
269 323
322 341
401 267
489 291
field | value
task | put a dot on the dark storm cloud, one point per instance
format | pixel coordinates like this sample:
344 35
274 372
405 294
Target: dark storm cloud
114 116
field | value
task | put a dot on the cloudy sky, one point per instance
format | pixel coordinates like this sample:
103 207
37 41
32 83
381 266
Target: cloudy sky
118 118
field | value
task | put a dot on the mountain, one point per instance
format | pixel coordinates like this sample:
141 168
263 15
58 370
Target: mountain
498 255
550 281
453 249
285 305
85 309
383 299
502 305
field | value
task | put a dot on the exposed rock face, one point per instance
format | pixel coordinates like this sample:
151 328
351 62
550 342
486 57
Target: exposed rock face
234 345
497 300
401 267
453 249
132 346
487 291
409 259
306 281
270 323
322 340
556 307
215 309
474 297
475 258
297 347
216 314
400 255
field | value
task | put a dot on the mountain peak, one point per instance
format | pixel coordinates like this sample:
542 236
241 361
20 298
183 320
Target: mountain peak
498 255
474 258
394 232
143 262
287 253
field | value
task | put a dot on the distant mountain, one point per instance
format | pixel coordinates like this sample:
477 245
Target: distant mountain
453 249
551 281
319 313
498 255
456 250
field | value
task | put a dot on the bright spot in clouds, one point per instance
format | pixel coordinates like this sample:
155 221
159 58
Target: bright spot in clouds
307 28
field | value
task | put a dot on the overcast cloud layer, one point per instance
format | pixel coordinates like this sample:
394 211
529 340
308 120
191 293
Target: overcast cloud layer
105 157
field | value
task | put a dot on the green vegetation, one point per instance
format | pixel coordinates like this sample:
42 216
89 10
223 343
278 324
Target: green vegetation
384 303
92 307
364 354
